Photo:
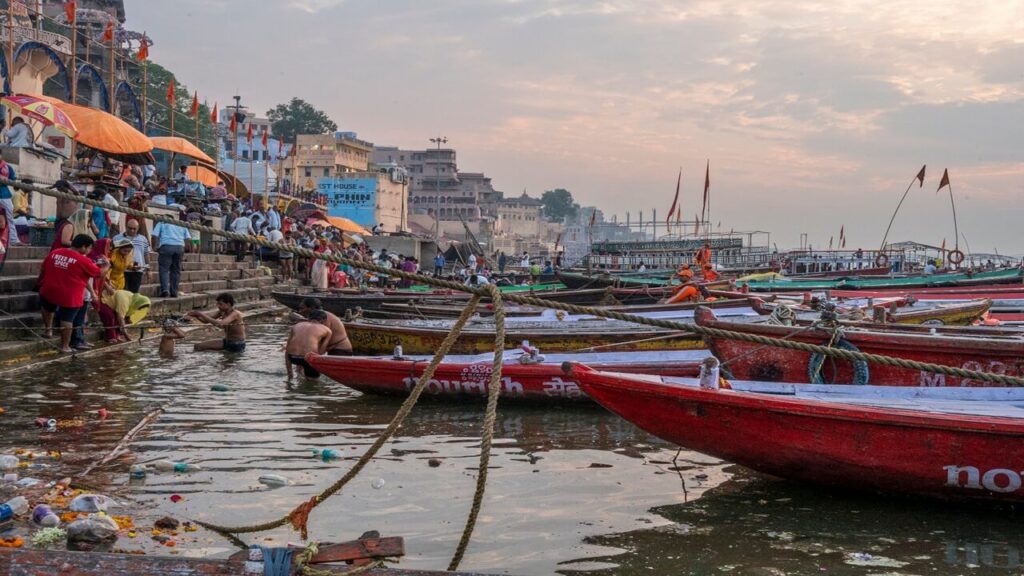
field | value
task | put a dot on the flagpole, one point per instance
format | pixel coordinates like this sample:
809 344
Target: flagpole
173 103
215 125
893 219
74 63
956 231
266 176
10 52
145 95
113 72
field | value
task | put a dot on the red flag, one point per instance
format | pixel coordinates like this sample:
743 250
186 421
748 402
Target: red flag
108 32
707 187
679 215
593 217
696 225
70 10
557 240
234 125
943 250
248 134
675 202
264 141
170 93
945 180
195 105
143 53
830 242
920 176
213 115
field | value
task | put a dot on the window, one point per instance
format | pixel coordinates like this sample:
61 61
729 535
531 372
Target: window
309 172
327 172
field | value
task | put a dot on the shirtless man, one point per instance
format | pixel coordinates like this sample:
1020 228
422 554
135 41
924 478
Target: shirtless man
310 335
227 318
339 344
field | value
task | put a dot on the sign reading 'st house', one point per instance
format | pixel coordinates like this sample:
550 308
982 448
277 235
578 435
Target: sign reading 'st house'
352 198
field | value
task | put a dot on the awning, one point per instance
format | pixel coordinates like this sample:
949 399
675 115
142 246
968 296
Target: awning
180 146
107 133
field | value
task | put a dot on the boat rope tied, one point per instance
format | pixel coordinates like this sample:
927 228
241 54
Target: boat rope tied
484 292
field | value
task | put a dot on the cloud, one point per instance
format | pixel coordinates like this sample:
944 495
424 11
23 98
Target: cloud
315 6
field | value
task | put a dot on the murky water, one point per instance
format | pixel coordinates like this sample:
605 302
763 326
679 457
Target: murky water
572 490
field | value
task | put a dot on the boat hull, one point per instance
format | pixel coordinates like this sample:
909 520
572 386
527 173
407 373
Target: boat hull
462 379
751 361
826 443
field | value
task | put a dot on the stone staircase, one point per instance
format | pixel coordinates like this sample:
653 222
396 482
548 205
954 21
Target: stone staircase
203 277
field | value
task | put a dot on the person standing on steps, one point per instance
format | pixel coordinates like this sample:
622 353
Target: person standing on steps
227 318
63 281
170 241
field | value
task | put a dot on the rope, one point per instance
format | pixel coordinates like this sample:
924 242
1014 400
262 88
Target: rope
704 331
299 516
490 415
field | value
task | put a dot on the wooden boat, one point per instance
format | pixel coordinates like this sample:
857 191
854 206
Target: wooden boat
994 293
949 443
461 376
953 314
962 279
630 281
424 337
1000 353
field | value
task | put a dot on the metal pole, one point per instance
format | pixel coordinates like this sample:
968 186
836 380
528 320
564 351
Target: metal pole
654 222
145 95
234 149
113 73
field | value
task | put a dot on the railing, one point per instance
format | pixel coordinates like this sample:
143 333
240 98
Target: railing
60 44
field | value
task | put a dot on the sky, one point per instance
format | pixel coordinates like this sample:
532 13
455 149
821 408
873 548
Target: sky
813 115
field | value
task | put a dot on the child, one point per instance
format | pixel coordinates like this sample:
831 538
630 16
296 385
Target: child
171 333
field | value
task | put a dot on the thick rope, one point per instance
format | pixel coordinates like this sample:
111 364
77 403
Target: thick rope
299 515
704 331
487 436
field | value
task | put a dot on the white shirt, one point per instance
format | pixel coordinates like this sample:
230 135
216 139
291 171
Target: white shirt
275 236
19 135
115 216
242 225
159 199
472 261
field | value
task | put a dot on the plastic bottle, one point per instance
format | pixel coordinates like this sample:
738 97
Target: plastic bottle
326 453
138 471
709 374
8 462
168 466
44 516
14 507
273 480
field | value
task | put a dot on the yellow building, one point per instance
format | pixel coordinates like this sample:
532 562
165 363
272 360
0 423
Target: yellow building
326 156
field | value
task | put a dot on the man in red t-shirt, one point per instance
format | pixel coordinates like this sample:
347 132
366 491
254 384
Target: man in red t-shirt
63 280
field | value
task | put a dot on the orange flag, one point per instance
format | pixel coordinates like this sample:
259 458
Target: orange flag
143 53
593 217
108 32
195 105
170 93
675 201
234 125
945 180
920 176
70 10
264 140
248 133
213 115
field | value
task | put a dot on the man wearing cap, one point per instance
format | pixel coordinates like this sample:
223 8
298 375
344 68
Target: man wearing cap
140 243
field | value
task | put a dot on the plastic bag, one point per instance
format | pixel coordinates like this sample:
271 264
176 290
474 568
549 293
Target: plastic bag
93 528
91 503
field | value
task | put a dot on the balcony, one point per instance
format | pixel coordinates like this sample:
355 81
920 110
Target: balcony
60 44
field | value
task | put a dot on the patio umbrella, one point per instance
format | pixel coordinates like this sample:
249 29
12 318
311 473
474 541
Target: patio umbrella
105 132
41 111
346 225
180 146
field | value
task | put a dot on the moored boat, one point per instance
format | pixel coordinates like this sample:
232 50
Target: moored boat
902 311
948 443
961 279
1000 353
468 375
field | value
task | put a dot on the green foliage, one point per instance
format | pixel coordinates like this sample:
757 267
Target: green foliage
299 117
559 205
159 122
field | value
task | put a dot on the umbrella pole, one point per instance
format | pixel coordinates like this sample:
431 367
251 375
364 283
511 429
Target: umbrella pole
145 96
74 77
113 77
10 50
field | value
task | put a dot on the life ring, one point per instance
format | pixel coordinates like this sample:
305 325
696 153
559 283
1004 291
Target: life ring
860 367
881 260
955 257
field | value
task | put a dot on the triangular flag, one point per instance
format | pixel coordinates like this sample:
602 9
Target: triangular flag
830 242
945 180
675 202
195 105
248 133
943 246
71 10
920 176
707 187
679 214
696 225
143 53
108 32
234 124
213 115
170 93
264 140
557 240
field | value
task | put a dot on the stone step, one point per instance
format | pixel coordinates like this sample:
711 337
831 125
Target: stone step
27 267
9 284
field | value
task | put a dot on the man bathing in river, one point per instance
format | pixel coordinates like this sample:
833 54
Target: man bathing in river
227 318
339 344
310 335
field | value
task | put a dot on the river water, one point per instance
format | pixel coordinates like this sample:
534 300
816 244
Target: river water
572 490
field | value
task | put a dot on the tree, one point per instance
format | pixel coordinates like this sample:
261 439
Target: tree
559 205
299 117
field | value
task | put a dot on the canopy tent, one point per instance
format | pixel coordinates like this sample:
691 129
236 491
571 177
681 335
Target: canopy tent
209 177
180 146
105 132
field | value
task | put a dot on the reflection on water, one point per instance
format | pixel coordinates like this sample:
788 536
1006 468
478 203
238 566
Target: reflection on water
559 474
573 490
755 525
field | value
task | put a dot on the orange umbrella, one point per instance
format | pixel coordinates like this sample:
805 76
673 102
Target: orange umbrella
180 146
208 177
41 111
106 132
346 225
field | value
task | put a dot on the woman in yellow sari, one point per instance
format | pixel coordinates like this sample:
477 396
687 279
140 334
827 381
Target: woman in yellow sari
120 260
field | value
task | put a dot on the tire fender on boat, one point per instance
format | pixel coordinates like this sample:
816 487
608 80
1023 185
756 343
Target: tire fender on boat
955 257
881 260
861 373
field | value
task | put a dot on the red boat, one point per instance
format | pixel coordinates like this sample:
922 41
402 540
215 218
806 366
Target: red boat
950 443
1001 353
467 375
995 293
